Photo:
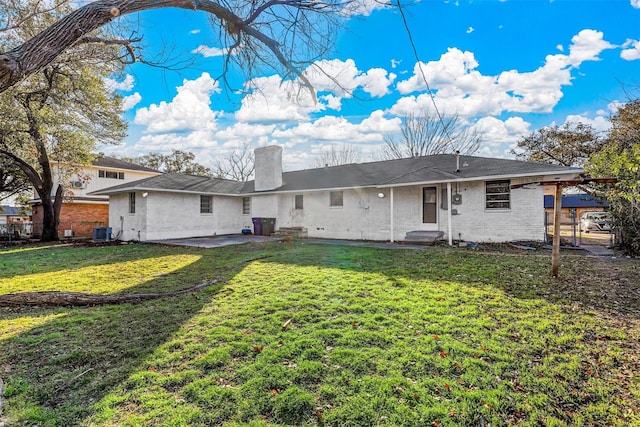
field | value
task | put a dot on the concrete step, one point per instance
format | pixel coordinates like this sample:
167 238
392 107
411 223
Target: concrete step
291 232
423 237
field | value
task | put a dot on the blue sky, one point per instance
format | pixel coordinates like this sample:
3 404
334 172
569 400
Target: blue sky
506 68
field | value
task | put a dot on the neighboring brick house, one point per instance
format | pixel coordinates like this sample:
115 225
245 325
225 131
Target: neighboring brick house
82 212
13 219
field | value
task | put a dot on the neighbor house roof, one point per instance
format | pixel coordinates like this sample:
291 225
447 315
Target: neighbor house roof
389 173
576 201
113 163
6 210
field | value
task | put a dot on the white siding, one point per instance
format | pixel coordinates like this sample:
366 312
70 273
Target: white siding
363 216
163 215
523 221
125 225
92 182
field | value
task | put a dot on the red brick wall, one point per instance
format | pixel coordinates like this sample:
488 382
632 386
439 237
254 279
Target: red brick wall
79 217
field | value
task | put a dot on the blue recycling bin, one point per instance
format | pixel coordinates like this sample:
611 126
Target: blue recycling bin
257 226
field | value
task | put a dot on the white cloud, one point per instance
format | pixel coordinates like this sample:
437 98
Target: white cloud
470 30
395 63
362 7
128 102
244 131
631 49
560 47
340 130
188 110
459 87
196 31
600 122
376 81
209 52
498 134
126 85
343 77
271 99
635 4
586 46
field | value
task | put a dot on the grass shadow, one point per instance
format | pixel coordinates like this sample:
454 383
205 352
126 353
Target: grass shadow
60 361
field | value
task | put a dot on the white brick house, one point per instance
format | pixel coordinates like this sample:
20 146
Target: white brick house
464 197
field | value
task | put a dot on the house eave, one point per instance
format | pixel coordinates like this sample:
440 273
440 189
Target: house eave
563 176
162 190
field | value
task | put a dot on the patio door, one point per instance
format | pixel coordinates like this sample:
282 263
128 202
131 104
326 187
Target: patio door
429 205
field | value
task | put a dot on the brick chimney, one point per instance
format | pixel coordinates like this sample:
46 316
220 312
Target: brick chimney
268 168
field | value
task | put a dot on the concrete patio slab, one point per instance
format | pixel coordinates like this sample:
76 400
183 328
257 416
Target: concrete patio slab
217 241
381 245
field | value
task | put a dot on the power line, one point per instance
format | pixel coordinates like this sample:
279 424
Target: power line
424 77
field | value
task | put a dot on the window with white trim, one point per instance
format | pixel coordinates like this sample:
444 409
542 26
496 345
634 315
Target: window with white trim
110 174
206 204
498 194
429 205
336 198
246 206
132 203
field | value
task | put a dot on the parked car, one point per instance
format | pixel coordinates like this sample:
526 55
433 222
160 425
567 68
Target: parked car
595 221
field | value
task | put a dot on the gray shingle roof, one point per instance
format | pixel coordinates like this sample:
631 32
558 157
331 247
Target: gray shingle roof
437 168
428 169
178 182
112 162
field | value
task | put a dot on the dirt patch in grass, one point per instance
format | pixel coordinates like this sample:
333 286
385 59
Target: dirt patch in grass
322 335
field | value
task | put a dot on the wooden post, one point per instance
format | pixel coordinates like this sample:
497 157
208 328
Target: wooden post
557 210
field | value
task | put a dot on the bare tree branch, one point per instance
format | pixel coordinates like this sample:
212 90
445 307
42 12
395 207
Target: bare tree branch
335 156
41 50
239 165
424 134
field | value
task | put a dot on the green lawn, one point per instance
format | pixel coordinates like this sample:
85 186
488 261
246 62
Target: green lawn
305 334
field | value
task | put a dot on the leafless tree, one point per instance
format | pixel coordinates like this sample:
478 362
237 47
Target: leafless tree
238 165
280 34
177 161
424 134
334 156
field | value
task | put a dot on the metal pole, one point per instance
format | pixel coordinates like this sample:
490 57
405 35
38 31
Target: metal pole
391 204
449 214
573 221
557 210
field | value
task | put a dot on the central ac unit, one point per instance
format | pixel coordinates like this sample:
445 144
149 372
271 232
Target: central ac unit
68 233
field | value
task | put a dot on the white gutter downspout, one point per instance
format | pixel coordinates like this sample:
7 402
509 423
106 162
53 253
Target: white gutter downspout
391 204
449 215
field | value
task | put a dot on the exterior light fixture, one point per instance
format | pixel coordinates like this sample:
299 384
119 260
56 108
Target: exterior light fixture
381 195
145 194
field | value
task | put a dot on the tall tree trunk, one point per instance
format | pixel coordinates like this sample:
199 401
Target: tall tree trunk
49 223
